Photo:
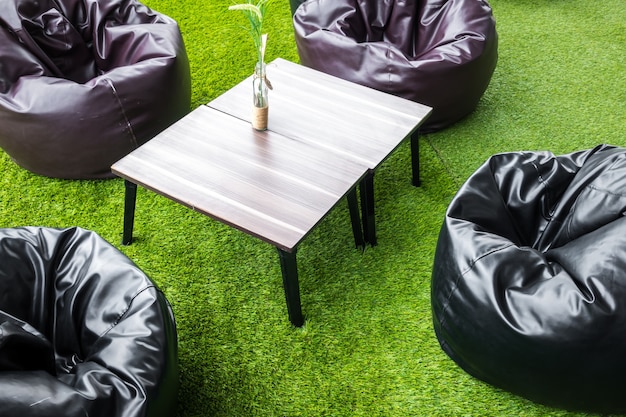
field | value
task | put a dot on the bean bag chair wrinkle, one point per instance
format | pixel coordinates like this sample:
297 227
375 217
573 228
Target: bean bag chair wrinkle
82 330
439 53
87 82
22 347
529 277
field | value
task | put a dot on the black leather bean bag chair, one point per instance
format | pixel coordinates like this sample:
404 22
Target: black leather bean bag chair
441 53
84 82
529 277
83 332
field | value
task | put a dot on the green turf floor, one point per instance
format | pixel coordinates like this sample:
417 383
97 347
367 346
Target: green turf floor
367 348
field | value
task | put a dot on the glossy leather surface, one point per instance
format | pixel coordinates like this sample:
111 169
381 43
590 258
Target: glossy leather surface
434 52
529 277
84 82
83 331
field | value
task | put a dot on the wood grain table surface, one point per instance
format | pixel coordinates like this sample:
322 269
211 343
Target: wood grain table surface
310 106
261 183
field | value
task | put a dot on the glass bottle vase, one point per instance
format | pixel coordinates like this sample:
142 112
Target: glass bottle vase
259 98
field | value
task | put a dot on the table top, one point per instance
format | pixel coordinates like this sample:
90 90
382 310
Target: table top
310 106
324 135
262 183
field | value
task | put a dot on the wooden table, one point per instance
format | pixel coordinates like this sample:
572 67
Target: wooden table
325 137
361 123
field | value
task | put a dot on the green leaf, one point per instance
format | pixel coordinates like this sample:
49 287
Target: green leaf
248 7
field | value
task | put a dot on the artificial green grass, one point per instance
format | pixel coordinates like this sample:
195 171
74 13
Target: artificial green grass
367 348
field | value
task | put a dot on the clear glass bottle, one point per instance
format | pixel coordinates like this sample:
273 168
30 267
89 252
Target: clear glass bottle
259 97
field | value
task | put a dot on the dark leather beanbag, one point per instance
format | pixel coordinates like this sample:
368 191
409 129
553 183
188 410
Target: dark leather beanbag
441 53
83 332
84 82
529 277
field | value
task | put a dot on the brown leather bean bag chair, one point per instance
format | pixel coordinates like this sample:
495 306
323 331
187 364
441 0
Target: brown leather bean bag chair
441 53
84 82
529 277
83 331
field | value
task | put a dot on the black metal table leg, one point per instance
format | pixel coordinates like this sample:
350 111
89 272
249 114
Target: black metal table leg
129 211
357 231
415 158
292 287
367 208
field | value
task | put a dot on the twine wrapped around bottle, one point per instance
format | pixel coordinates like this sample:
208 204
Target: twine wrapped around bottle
260 117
